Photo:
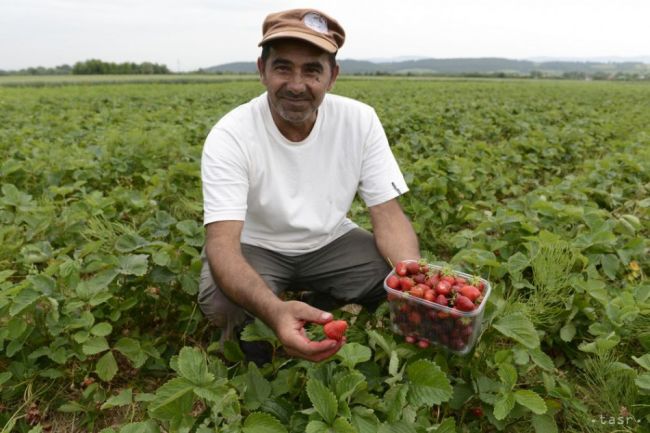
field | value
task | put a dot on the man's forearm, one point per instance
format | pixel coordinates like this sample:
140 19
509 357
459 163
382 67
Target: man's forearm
396 240
241 283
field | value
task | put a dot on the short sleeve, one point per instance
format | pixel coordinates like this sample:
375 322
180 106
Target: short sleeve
381 178
224 175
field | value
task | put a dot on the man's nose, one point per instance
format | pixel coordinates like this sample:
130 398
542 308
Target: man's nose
296 83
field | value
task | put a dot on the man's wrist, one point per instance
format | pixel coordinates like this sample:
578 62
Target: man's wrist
270 310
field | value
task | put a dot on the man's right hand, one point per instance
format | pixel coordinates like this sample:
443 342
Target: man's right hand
289 326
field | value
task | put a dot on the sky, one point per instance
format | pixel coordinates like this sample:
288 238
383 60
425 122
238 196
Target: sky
189 34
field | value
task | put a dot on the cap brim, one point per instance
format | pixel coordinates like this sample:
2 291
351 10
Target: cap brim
322 43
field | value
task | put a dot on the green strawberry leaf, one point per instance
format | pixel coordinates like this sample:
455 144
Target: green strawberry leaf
148 426
397 427
101 329
193 366
428 384
131 348
130 242
518 327
643 361
259 422
350 383
94 346
323 399
258 389
122 399
544 424
173 399
352 354
504 405
531 400
106 367
643 381
133 264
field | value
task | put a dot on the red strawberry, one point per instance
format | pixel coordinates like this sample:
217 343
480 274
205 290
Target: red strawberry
478 283
460 281
415 317
405 283
419 278
430 295
471 292
442 300
335 329
393 282
432 281
463 303
400 269
449 278
413 268
443 287
417 291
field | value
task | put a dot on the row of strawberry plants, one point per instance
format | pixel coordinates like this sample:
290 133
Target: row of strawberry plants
536 187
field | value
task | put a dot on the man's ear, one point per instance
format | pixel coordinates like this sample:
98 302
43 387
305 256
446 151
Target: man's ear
335 74
260 69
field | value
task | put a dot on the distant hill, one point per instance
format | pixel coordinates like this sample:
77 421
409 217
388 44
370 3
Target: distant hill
465 66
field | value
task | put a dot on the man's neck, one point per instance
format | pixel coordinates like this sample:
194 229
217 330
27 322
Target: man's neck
294 131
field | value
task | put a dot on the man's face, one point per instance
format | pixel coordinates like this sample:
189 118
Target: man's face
297 75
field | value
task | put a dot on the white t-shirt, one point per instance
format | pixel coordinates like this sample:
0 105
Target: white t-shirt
294 196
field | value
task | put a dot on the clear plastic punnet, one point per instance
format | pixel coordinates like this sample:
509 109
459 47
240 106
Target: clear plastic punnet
420 320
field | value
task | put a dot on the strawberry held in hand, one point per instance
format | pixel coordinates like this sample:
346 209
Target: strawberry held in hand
335 329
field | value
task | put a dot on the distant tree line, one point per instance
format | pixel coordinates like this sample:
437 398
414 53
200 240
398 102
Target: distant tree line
575 75
40 70
94 67
98 67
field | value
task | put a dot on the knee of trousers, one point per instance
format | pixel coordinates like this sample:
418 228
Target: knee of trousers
216 307
368 285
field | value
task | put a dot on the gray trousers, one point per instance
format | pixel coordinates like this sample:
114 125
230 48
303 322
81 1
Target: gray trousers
348 270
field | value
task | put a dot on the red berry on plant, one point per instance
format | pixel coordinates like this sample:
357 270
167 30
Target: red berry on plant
335 329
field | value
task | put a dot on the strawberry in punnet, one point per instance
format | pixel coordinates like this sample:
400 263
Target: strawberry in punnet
470 292
393 282
400 269
447 274
335 329
432 281
478 283
413 268
419 278
443 287
463 303
406 283
442 300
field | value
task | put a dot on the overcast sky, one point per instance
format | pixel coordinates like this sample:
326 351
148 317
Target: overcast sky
190 34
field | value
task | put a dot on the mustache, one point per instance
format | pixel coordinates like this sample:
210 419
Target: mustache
294 96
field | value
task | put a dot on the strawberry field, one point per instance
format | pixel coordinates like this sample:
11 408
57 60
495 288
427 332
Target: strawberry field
541 188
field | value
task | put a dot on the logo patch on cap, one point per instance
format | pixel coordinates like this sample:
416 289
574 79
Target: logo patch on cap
315 22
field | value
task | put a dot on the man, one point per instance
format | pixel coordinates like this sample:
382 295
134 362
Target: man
279 176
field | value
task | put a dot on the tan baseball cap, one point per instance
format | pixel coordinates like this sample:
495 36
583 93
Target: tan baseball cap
309 25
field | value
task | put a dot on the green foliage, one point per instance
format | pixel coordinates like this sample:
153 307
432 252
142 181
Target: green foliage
542 188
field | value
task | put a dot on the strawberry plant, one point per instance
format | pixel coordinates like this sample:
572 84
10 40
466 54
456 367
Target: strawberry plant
541 188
